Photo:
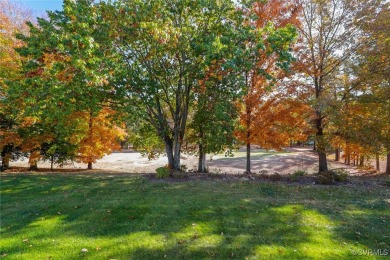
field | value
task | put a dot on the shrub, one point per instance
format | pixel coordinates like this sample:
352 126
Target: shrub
275 177
297 174
162 172
341 175
325 178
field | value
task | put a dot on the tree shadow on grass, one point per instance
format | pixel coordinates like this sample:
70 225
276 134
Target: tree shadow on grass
133 218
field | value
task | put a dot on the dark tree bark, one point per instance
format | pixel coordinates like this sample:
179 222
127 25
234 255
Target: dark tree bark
169 150
51 162
248 158
248 137
33 167
90 135
5 158
388 164
337 155
321 149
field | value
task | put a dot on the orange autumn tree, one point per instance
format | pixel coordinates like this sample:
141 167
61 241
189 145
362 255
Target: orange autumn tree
261 109
96 136
12 21
273 121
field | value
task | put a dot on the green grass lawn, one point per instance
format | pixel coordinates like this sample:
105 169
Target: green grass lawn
55 216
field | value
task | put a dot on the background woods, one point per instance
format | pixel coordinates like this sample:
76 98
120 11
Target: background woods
197 77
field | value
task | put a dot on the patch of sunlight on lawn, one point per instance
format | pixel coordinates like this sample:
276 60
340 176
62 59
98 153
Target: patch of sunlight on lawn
205 242
47 238
199 236
318 240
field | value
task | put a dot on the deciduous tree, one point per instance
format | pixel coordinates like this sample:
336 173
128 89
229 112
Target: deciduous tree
264 57
329 36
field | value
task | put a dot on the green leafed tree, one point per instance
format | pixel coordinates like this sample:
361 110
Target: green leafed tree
214 114
68 67
166 47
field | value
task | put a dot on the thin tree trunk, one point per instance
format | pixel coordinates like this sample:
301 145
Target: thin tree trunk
345 157
248 158
248 137
377 160
361 163
322 160
90 133
337 155
314 146
388 164
51 162
202 160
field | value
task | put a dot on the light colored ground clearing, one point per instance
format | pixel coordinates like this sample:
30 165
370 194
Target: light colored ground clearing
284 163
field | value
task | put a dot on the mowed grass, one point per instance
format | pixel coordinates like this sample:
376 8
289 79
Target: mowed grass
55 216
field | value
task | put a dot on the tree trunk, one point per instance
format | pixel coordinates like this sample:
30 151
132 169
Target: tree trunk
169 150
314 146
248 158
51 162
388 164
176 154
337 155
33 167
202 160
5 158
361 163
33 160
377 160
323 163
90 133
321 148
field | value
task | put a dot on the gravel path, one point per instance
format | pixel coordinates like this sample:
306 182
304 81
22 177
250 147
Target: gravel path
283 163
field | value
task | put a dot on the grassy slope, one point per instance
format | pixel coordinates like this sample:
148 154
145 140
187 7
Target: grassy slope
55 216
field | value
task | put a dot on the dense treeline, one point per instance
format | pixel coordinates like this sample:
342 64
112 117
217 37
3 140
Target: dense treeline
195 76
